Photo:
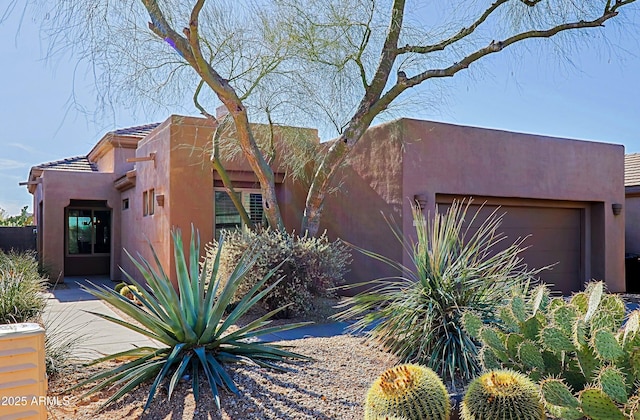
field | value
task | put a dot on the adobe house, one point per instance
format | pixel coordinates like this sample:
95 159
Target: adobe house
138 183
132 188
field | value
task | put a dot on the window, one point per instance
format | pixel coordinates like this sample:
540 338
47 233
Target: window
125 204
148 202
88 231
226 214
152 201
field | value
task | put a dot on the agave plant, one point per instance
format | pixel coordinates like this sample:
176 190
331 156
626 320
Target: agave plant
190 324
417 315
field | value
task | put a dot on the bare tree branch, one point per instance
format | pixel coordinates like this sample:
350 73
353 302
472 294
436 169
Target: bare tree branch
464 32
492 48
216 161
189 47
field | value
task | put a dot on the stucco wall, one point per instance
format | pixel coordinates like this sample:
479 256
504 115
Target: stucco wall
121 166
398 160
152 228
445 158
370 195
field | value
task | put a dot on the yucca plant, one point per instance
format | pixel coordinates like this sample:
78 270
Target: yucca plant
189 322
417 315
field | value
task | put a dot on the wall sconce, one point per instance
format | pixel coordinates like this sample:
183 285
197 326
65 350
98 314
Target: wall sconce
160 199
421 200
616 208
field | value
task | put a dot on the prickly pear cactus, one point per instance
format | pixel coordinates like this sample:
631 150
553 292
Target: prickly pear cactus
407 392
502 394
569 347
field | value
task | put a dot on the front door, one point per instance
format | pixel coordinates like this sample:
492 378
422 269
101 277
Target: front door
88 241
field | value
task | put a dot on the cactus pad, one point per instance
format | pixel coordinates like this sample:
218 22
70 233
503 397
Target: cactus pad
529 354
565 317
489 359
519 308
407 392
595 292
555 340
632 326
580 301
531 328
588 362
613 384
598 406
502 394
540 298
610 314
513 344
606 345
557 393
508 318
472 323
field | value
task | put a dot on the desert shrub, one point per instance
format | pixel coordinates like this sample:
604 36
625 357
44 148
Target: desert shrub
22 299
417 316
21 288
196 339
21 262
310 267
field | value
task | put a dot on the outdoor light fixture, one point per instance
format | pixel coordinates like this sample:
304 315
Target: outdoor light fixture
616 208
421 200
160 199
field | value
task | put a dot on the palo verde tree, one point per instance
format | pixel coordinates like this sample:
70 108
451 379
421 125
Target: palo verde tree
339 63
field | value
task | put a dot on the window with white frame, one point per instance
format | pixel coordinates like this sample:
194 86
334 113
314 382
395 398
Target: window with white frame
226 214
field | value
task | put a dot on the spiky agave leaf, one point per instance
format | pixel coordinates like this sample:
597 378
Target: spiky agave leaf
189 322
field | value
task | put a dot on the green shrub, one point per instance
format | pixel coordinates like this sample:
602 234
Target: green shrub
310 267
21 289
189 323
418 317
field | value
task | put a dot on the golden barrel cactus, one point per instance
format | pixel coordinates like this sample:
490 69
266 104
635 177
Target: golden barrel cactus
407 392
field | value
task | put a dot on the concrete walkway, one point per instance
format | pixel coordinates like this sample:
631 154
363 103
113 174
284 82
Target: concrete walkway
67 308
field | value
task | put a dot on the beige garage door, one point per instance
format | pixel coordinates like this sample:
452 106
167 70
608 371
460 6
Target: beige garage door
555 237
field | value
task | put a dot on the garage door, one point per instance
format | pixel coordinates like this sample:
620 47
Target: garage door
555 237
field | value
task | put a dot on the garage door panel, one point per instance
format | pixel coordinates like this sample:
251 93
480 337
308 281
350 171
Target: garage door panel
530 217
548 239
568 264
554 237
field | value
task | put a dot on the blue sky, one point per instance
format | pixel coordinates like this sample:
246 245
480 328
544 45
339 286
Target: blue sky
596 97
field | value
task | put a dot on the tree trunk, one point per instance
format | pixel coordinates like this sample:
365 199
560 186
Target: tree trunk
323 178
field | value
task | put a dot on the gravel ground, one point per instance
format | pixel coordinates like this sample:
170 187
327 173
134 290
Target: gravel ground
332 386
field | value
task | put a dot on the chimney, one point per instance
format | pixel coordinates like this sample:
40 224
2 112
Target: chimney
221 111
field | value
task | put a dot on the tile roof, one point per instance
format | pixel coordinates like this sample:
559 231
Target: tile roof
632 169
76 163
138 131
